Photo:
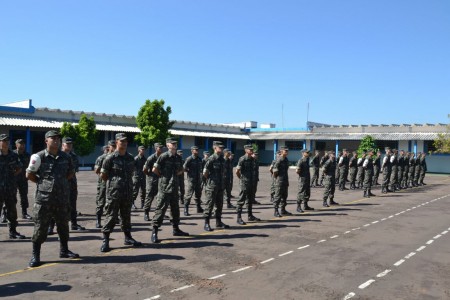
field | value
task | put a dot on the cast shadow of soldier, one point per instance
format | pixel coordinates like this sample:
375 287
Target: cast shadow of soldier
20 288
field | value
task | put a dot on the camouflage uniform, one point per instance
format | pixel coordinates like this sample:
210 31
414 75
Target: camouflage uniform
353 170
281 168
404 183
411 171
423 169
151 182
376 169
322 162
315 163
329 171
193 166
22 182
394 172
343 171
74 192
418 169
246 169
228 181
360 175
368 175
181 180
386 168
101 190
304 182
139 178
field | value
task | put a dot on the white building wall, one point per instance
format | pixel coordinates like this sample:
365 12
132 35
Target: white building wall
188 142
403 145
420 146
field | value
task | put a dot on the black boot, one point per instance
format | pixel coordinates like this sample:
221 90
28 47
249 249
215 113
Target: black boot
199 208
276 213
105 244
178 232
154 238
366 194
307 207
370 193
220 224
299 208
332 202
207 227
51 227
25 215
98 223
64 251
76 226
129 241
239 218
229 205
186 209
146 216
284 212
251 217
13 234
35 260
325 204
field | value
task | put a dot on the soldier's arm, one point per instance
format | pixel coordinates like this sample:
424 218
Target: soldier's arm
298 170
157 166
106 167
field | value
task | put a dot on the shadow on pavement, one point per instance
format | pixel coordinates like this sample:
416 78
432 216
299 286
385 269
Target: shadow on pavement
20 288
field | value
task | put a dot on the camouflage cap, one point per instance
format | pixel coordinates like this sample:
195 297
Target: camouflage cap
171 141
20 141
4 137
217 144
141 148
157 145
249 147
194 148
180 151
304 151
112 143
121 136
205 152
67 140
226 150
284 148
52 133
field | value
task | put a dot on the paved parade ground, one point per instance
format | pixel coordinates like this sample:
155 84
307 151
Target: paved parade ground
393 246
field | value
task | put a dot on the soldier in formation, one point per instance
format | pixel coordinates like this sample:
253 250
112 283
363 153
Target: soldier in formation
151 180
21 179
304 181
101 184
193 166
315 165
280 173
343 169
139 176
228 177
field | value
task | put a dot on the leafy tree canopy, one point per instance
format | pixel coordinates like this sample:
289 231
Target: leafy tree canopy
83 134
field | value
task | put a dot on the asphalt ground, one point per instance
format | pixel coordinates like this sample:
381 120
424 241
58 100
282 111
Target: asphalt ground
393 246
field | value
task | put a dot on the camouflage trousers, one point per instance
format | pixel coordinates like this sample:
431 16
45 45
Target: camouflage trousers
368 177
376 174
315 176
386 178
360 176
394 177
353 172
43 213
343 174
113 207
151 187
194 188
139 184
163 200
330 187
213 197
281 194
304 190
246 197
101 197
227 192
8 199
22 187
73 196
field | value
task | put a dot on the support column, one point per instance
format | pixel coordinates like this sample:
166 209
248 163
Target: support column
415 147
229 144
304 144
28 140
275 148
337 148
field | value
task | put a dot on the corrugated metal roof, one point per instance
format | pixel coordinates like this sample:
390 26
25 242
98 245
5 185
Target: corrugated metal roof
209 134
344 136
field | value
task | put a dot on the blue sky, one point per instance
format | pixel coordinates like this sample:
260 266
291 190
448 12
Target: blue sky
355 62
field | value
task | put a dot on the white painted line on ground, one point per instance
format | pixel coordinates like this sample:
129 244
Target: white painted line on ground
366 284
286 253
414 207
408 209
420 248
182 288
358 228
348 231
410 255
384 273
444 232
154 297
349 296
429 242
448 228
384 219
437 236
267 260
399 262
397 214
217 276
303 247
321 241
334 236
391 216
375 222
402 212
241 269
366 225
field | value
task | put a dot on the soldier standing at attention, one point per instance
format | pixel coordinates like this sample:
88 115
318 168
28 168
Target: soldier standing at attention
360 176
67 147
272 186
181 179
329 171
418 169
280 172
343 169
255 176
101 187
228 177
353 169
117 171
232 177
322 162
139 176
315 163
245 171
338 175
151 182
423 169
412 169
168 167
368 174
214 173
394 170
51 169
21 179
400 169
404 183
386 169
193 166
304 178
376 168
205 158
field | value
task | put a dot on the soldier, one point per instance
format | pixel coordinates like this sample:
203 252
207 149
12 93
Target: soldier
214 173
394 170
315 163
228 177
400 169
418 169
193 166
329 171
322 162
10 167
205 158
280 172
304 178
423 169
117 170
21 179
386 169
181 179
338 175
343 169
232 177
411 171
376 168
245 171
101 186
51 169
353 169
67 147
404 182
151 182
368 174
139 176
168 167
255 176
360 175
272 186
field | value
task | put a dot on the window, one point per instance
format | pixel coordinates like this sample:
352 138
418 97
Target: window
294 145
428 146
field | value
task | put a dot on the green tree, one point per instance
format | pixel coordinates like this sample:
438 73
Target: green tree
442 143
366 143
84 135
255 147
154 123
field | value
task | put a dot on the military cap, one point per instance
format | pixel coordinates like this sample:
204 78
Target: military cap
345 149
157 145
217 144
284 148
67 140
52 133
226 150
249 147
4 137
111 143
171 141
121 136
304 151
104 147
20 141
205 152
369 150
141 148
180 151
194 148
